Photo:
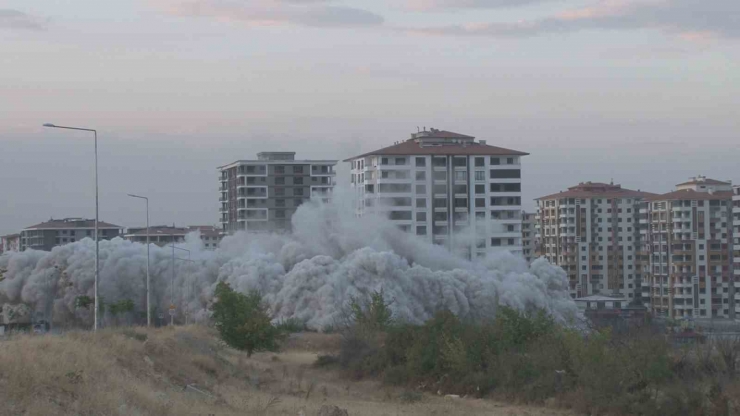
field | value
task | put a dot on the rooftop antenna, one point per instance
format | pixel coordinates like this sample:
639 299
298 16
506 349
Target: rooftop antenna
417 129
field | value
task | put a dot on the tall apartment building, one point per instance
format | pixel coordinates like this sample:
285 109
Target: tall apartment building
592 232
529 236
688 241
736 246
262 195
52 233
447 188
162 235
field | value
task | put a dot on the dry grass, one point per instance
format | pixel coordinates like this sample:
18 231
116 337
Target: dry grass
146 372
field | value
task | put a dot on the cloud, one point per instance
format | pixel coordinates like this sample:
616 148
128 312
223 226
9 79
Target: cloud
432 5
14 19
314 13
689 19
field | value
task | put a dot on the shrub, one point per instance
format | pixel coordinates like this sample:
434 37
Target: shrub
291 326
243 321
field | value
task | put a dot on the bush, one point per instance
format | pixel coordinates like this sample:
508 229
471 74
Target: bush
291 326
243 321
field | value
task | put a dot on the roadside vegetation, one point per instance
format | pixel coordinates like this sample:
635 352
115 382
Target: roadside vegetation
528 358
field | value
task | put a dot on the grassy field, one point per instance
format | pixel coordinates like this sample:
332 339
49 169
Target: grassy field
187 371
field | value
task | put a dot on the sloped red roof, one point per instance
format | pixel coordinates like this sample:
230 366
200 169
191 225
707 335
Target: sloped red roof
412 147
70 224
690 194
706 181
598 190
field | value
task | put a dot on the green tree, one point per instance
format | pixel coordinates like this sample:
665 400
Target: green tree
243 321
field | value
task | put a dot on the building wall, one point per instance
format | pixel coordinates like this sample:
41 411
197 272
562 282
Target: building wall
736 245
688 272
594 240
471 204
262 196
529 239
48 239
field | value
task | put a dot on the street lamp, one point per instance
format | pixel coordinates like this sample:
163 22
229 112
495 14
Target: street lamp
97 205
148 305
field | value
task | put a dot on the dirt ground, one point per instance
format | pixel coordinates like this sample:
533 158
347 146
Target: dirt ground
187 371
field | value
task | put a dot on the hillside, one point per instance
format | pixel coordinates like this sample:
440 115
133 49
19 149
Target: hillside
187 371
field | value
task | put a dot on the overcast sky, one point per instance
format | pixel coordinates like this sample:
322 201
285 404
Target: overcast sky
643 91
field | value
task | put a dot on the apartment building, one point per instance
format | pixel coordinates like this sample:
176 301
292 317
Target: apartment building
9 243
262 195
162 235
736 246
47 235
447 188
529 240
592 232
688 242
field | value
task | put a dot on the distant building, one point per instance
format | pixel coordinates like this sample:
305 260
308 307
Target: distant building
529 238
445 187
162 235
688 236
10 243
52 233
736 245
592 232
262 195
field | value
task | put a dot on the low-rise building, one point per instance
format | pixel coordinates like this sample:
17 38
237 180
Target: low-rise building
162 235
47 235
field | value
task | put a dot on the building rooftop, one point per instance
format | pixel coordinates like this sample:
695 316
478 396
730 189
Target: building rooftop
703 180
69 223
690 194
441 142
598 190
166 230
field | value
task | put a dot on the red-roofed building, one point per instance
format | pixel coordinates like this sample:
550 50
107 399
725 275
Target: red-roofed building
438 184
687 237
52 233
591 230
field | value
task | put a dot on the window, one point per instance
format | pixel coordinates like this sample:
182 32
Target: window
298 192
400 161
480 175
460 162
480 162
421 162
460 189
297 169
421 216
480 215
279 202
421 175
421 203
495 161
440 176
505 173
506 187
461 175
384 161
421 189
440 216
510 228
297 202
279 191
496 242
421 230
510 161
480 189
298 181
440 203
461 202
279 169
280 213
439 189
480 202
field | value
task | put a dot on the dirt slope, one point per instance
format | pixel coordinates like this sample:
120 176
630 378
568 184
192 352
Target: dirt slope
187 371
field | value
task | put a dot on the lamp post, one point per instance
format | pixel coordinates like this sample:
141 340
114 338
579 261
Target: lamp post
148 300
97 205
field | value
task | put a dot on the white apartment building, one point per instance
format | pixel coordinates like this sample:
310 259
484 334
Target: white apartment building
262 195
592 232
687 235
736 245
529 237
447 188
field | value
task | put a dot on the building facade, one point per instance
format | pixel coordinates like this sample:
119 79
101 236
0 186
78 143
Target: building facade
736 246
592 232
687 238
9 243
529 236
162 235
262 195
52 233
446 188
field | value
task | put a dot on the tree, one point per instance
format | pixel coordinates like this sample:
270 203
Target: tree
243 321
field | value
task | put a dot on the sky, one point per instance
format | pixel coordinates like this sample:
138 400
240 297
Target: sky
644 92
